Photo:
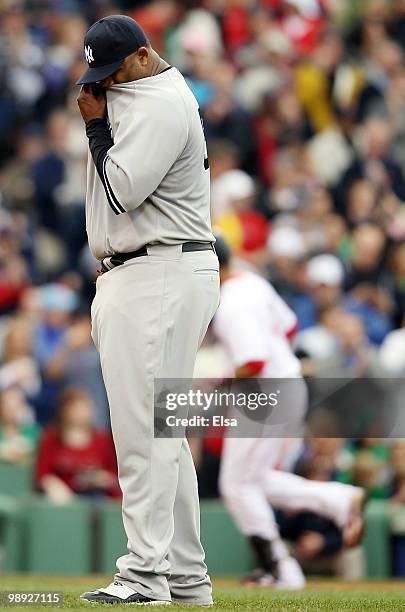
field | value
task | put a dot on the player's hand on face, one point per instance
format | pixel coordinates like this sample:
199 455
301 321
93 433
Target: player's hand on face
92 102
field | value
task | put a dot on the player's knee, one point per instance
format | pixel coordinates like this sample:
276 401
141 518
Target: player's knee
229 490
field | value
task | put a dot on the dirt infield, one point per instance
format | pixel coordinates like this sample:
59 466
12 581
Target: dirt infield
334 584
386 585
323 584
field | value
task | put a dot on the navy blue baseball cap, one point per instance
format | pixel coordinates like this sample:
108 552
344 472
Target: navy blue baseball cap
107 43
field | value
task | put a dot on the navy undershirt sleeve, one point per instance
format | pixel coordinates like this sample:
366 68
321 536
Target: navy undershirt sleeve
100 141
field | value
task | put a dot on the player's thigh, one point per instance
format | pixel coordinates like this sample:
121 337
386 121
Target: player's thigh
191 299
245 459
127 323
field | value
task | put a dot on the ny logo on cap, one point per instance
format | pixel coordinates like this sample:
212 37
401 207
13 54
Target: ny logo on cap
88 52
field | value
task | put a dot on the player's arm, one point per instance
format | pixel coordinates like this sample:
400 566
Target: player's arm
93 107
255 366
292 331
243 340
146 144
100 142
286 318
249 369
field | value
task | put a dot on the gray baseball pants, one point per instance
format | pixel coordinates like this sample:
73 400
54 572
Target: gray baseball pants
149 317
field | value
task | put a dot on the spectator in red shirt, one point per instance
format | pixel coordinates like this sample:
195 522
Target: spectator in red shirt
74 457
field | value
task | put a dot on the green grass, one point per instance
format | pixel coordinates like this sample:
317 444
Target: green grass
319 596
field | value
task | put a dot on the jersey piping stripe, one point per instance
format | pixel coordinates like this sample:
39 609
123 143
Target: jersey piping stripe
112 200
116 202
107 192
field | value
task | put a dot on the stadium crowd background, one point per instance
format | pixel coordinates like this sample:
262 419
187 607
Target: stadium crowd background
304 110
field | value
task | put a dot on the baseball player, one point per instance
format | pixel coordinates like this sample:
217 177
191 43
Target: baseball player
254 326
148 222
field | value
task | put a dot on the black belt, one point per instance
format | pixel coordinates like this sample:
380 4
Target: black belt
187 247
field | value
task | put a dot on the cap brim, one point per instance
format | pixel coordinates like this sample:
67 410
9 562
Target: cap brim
92 75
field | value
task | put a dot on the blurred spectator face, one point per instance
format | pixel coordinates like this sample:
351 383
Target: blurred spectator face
377 138
13 20
377 10
325 294
15 271
57 131
400 7
331 318
9 243
361 201
398 457
222 75
288 108
329 52
289 117
398 262
31 303
200 63
335 230
327 448
71 33
57 318
30 146
396 93
373 34
389 55
320 203
293 172
287 268
76 69
223 156
350 332
368 247
260 21
13 407
242 204
367 470
79 333
76 411
18 341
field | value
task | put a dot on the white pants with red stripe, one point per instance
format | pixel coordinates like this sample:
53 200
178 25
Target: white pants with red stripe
250 485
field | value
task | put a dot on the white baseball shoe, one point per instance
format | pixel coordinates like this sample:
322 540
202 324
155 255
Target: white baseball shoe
259 578
290 575
119 593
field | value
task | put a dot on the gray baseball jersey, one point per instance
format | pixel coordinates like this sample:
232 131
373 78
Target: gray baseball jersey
155 186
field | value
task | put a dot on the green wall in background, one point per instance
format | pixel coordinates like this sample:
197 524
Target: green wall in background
81 537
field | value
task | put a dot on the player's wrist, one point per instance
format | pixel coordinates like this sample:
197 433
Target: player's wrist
96 121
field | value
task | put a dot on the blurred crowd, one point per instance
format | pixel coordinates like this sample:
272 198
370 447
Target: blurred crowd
304 111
